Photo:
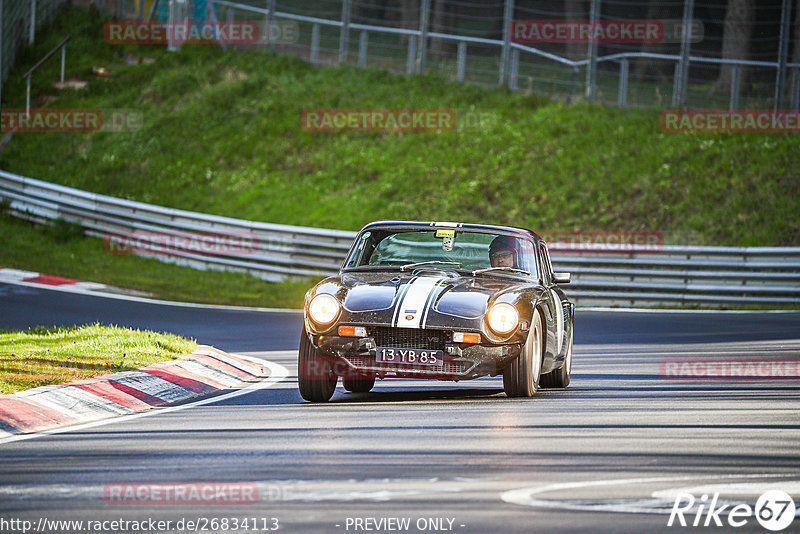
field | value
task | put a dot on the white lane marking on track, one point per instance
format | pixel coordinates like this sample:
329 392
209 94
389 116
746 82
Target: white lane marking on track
750 489
525 496
277 373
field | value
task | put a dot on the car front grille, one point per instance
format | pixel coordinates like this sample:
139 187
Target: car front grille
368 363
409 338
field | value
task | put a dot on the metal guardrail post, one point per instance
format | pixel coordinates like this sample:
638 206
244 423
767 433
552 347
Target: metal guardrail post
270 22
736 84
508 15
32 29
573 85
362 49
424 26
795 90
783 55
315 44
411 60
461 61
344 35
622 99
591 67
1 54
63 62
141 10
120 9
676 85
679 96
514 70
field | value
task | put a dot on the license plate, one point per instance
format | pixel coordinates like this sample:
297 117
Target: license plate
411 356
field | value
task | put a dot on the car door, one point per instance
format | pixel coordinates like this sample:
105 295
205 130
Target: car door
556 304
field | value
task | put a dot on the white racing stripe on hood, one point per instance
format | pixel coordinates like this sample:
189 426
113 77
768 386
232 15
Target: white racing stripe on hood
414 301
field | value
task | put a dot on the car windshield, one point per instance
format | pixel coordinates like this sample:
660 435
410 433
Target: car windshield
444 248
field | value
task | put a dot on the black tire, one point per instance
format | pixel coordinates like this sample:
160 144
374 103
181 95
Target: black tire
521 377
559 378
315 376
358 383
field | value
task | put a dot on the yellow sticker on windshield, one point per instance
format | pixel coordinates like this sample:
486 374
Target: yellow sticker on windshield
445 233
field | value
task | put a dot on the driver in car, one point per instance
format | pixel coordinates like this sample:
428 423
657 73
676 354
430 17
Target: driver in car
503 251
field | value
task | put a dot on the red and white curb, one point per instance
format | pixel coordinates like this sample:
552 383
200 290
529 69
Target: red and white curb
30 277
204 371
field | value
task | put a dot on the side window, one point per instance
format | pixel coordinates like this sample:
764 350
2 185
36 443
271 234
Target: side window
547 269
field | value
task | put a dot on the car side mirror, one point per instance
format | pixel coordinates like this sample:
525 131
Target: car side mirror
562 278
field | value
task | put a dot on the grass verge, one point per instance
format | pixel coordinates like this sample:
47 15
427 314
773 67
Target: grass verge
44 356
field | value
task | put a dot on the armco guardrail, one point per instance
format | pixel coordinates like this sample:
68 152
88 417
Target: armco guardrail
646 275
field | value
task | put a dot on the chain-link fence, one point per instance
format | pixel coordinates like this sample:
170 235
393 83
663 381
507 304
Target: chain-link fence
721 54
18 22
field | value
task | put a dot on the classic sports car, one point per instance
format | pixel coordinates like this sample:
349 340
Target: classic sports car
446 301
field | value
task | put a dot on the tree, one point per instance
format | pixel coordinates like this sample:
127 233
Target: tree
739 19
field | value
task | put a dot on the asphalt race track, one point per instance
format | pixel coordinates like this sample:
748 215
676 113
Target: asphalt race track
609 454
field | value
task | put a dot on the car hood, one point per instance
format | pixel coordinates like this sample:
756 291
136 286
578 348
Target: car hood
424 299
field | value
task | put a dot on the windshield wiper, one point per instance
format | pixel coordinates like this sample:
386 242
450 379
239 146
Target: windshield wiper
432 262
508 269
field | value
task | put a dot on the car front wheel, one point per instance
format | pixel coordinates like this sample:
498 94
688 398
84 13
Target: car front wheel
315 376
521 377
358 383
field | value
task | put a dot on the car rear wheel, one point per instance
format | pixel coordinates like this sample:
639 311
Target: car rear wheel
315 376
521 377
358 383
559 378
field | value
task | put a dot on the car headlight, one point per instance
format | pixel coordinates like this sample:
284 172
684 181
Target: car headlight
323 309
502 318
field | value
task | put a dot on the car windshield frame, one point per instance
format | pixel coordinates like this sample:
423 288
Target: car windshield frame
366 237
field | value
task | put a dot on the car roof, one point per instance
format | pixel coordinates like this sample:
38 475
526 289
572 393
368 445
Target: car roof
512 230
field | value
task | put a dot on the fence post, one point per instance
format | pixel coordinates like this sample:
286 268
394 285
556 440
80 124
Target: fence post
795 90
461 61
362 49
344 35
676 84
120 9
270 22
424 23
141 10
783 55
32 32
315 44
622 99
514 69
591 67
508 15
63 62
736 83
679 95
411 60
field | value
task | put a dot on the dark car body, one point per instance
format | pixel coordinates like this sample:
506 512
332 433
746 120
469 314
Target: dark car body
421 308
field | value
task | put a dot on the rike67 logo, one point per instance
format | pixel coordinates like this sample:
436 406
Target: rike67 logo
774 510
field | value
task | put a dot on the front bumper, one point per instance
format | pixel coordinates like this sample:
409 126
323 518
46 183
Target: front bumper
462 361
